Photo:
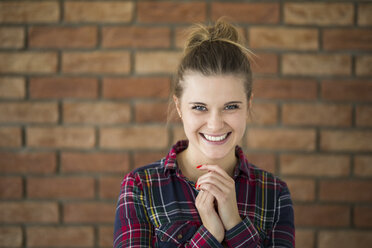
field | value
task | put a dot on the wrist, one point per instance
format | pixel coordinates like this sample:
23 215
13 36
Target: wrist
233 222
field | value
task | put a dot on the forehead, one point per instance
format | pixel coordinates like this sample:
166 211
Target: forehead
197 87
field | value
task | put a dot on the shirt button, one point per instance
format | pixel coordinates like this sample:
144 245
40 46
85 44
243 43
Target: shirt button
179 236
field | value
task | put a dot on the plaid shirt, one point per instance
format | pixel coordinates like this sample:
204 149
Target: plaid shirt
156 208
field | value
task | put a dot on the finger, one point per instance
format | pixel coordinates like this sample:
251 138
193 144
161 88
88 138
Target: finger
214 191
215 168
216 179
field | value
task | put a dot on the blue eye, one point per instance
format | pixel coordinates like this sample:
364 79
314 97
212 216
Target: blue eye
199 108
231 107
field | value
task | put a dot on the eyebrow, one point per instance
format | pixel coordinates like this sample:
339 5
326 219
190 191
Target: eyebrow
228 103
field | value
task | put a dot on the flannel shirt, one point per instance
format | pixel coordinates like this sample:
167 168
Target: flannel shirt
156 208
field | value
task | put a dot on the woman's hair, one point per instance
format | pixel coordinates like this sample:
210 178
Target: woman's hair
214 50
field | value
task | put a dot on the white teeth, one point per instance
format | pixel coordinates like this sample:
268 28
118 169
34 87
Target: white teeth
215 138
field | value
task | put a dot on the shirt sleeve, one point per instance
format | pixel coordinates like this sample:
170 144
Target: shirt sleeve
133 227
282 235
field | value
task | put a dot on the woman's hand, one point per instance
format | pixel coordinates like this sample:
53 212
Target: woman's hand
204 202
218 183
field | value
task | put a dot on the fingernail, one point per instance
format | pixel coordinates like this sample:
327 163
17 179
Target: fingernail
198 167
196 185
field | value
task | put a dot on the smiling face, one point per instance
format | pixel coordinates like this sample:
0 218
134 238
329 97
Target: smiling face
214 111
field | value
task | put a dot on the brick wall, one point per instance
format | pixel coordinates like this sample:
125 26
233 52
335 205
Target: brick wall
83 96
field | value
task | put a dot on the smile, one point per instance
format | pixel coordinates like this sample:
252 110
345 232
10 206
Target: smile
216 138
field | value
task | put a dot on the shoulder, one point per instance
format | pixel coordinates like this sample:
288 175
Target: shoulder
146 172
266 178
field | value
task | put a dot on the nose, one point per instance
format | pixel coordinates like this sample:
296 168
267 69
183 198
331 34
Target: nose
215 121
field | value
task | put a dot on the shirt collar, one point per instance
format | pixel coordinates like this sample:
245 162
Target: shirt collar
170 159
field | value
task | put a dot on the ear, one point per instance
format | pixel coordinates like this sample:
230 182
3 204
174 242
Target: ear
177 103
250 101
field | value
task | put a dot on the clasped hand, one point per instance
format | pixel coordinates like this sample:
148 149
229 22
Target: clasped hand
216 201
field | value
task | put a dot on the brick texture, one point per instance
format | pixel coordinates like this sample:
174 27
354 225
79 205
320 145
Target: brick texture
28 12
247 13
60 236
65 87
12 88
338 14
11 37
63 37
150 12
84 88
100 11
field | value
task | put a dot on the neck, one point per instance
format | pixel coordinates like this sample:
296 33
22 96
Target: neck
188 160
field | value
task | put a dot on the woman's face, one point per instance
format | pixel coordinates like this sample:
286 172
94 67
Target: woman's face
214 112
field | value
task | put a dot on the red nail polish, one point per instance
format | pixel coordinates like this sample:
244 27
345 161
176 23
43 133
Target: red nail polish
198 167
196 185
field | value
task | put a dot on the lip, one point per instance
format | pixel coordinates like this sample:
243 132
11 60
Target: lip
214 135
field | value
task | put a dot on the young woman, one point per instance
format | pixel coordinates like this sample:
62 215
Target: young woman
204 193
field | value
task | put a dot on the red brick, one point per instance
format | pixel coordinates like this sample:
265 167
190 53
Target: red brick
146 112
28 212
96 113
10 137
364 14
62 37
61 137
28 112
363 166
364 116
283 38
281 139
136 37
11 188
11 37
27 163
61 236
344 239
285 89
319 13
301 189
105 235
154 137
109 187
145 158
95 212
72 162
311 215
178 133
100 11
60 188
11 237
317 114
345 191
247 12
263 114
364 65
315 165
305 238
158 12
265 63
349 90
96 62
347 39
263 161
35 11
12 87
63 87
346 140
363 216
157 62
117 88
28 62
316 64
